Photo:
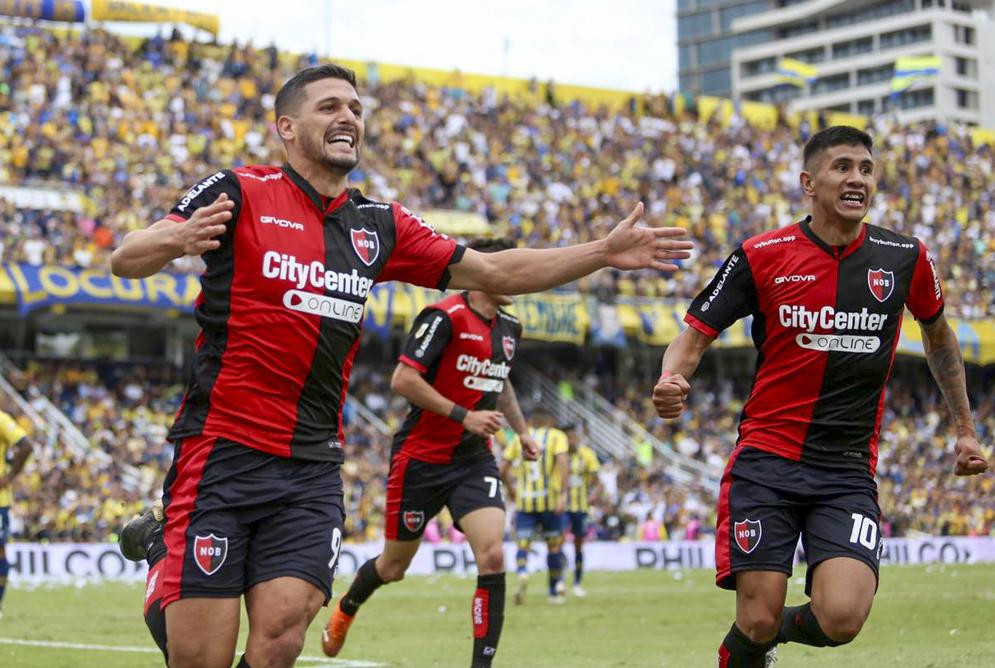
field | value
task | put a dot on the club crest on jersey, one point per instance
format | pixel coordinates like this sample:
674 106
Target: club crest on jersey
881 283
747 534
366 243
413 519
210 552
508 343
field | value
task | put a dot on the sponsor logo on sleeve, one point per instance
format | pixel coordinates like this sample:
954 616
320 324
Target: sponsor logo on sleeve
210 552
366 243
198 189
747 534
421 330
730 265
881 283
420 351
937 293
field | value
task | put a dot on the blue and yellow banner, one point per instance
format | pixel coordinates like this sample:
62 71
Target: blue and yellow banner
48 10
912 69
796 72
122 10
561 318
37 287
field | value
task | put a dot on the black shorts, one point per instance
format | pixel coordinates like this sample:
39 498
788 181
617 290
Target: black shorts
417 491
767 501
236 516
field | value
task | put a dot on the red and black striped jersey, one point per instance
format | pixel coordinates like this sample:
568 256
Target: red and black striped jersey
826 322
466 358
282 303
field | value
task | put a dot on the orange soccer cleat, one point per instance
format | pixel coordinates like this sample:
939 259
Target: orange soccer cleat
334 633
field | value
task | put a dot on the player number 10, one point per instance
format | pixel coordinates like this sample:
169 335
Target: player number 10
864 530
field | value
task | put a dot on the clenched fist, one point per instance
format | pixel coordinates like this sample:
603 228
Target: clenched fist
670 395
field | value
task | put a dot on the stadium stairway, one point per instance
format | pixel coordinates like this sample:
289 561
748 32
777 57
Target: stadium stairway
608 433
52 426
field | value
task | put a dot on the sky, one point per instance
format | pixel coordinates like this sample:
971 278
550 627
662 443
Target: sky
622 44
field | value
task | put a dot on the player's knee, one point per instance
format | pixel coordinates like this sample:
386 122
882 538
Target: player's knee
491 559
284 649
185 654
841 625
392 571
760 625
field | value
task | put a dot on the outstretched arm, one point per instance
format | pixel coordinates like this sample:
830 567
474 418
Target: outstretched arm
523 270
947 366
679 362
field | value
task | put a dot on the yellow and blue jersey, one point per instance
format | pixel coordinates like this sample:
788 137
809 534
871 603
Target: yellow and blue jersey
537 483
583 465
10 434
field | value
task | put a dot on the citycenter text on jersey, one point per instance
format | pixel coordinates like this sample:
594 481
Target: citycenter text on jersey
287 268
827 317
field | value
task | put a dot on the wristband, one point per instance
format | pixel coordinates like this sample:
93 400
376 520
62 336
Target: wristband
664 375
458 413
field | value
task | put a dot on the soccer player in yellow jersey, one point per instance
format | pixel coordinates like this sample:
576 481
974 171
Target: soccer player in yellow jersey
15 448
539 491
582 483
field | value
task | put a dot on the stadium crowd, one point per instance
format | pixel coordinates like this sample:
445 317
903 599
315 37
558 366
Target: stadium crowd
130 125
125 410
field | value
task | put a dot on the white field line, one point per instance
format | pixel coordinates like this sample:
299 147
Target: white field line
324 661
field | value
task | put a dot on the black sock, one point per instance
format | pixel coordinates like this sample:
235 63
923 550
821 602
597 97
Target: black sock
578 567
242 663
738 651
487 614
366 582
155 619
798 624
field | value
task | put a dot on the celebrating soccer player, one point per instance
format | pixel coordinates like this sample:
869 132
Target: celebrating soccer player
827 297
253 499
454 371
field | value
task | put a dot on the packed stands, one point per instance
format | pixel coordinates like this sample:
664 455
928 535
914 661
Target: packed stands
132 125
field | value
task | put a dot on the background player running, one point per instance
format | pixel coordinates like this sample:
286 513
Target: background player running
827 297
454 370
582 485
538 487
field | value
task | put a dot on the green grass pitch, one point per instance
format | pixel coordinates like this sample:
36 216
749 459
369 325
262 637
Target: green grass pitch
923 617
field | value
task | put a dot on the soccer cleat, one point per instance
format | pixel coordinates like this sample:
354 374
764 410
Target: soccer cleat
557 599
770 658
523 583
579 591
334 633
560 588
138 535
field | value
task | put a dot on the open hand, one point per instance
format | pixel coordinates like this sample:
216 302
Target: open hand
198 234
632 247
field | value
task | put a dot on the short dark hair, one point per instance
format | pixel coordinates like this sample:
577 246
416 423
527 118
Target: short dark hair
291 94
835 136
490 245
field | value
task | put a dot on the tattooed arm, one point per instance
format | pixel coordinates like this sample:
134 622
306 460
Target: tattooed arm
947 367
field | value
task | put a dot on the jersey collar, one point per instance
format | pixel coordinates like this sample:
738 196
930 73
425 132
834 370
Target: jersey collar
319 200
837 252
487 321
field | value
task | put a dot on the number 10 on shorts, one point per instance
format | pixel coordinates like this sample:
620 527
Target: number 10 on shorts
865 531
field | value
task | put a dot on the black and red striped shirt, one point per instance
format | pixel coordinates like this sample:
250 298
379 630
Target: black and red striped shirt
282 303
466 358
826 322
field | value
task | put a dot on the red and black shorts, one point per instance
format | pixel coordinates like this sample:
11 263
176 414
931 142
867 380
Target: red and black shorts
417 491
766 502
237 516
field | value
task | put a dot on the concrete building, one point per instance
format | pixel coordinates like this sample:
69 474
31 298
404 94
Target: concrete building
732 47
854 45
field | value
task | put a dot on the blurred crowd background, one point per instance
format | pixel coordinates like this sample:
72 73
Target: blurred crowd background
131 125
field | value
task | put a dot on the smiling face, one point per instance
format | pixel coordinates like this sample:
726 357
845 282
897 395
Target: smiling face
841 182
327 126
